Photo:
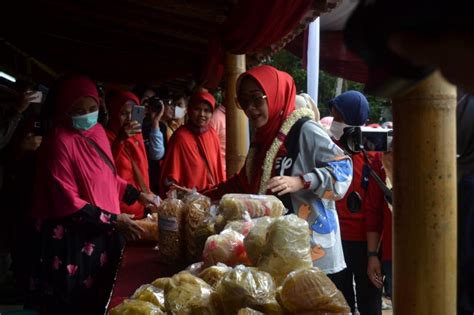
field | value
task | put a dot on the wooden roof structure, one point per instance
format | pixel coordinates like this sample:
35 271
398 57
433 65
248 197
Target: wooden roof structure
128 41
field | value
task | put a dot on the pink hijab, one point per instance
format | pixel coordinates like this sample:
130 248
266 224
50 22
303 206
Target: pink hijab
71 172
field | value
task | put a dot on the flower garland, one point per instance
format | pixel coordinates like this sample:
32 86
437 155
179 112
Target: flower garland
277 142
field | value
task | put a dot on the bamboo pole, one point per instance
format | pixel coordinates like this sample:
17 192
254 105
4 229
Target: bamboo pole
237 126
425 197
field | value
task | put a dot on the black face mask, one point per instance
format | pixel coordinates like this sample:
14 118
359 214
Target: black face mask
354 202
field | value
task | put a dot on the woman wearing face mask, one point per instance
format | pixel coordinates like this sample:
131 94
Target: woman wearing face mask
292 156
78 225
351 108
193 154
180 111
128 147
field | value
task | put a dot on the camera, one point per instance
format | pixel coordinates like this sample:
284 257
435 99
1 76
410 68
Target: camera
358 139
155 104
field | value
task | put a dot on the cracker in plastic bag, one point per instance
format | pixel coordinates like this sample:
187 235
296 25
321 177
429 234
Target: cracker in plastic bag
161 283
311 290
256 238
235 206
249 311
136 307
187 294
152 294
199 224
214 274
287 247
241 226
171 222
227 248
246 287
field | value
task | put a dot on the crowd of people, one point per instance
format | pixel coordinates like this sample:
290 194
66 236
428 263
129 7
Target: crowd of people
74 190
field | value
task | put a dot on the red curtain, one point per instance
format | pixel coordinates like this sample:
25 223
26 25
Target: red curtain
252 26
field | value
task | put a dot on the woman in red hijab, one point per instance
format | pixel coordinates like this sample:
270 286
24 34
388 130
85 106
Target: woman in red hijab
128 147
78 238
293 157
193 153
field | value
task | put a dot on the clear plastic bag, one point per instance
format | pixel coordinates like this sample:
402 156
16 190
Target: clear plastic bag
235 206
287 247
241 226
256 239
171 233
249 311
227 248
199 224
246 287
136 307
196 268
187 294
152 294
311 290
214 274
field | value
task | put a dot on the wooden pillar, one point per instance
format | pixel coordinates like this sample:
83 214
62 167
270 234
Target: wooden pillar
237 125
425 208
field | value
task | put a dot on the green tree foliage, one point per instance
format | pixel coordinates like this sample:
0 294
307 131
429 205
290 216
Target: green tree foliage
292 64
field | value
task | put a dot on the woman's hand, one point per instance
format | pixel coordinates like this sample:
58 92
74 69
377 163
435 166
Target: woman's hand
374 271
156 117
180 188
25 101
31 142
130 129
130 230
150 201
285 184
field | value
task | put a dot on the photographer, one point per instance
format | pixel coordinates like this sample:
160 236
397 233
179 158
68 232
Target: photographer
352 109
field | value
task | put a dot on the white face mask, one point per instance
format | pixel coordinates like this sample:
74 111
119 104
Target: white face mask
337 129
179 112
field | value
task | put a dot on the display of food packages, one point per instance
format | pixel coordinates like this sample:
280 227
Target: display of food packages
136 307
236 206
287 247
187 294
256 238
212 275
152 294
311 290
171 227
227 248
246 287
249 311
199 225
149 226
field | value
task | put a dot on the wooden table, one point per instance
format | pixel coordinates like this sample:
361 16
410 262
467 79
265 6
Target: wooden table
139 265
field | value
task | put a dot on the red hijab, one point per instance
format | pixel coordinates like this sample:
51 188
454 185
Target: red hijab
280 89
130 155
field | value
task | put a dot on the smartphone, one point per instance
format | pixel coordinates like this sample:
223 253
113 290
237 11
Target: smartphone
37 97
138 113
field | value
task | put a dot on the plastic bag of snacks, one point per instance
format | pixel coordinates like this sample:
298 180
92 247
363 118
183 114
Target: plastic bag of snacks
246 287
214 274
171 223
249 311
199 224
311 290
287 247
161 283
234 206
226 247
196 268
256 238
241 226
136 307
152 294
187 294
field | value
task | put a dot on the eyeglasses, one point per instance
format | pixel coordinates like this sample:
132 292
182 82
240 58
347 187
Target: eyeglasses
255 100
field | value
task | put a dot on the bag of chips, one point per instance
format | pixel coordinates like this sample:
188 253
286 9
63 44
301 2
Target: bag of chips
171 222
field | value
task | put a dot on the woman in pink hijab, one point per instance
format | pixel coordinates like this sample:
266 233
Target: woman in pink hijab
79 227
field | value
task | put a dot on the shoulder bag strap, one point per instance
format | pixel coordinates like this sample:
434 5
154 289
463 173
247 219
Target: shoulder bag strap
102 154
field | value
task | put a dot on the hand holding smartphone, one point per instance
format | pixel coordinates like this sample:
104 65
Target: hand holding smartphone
138 114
